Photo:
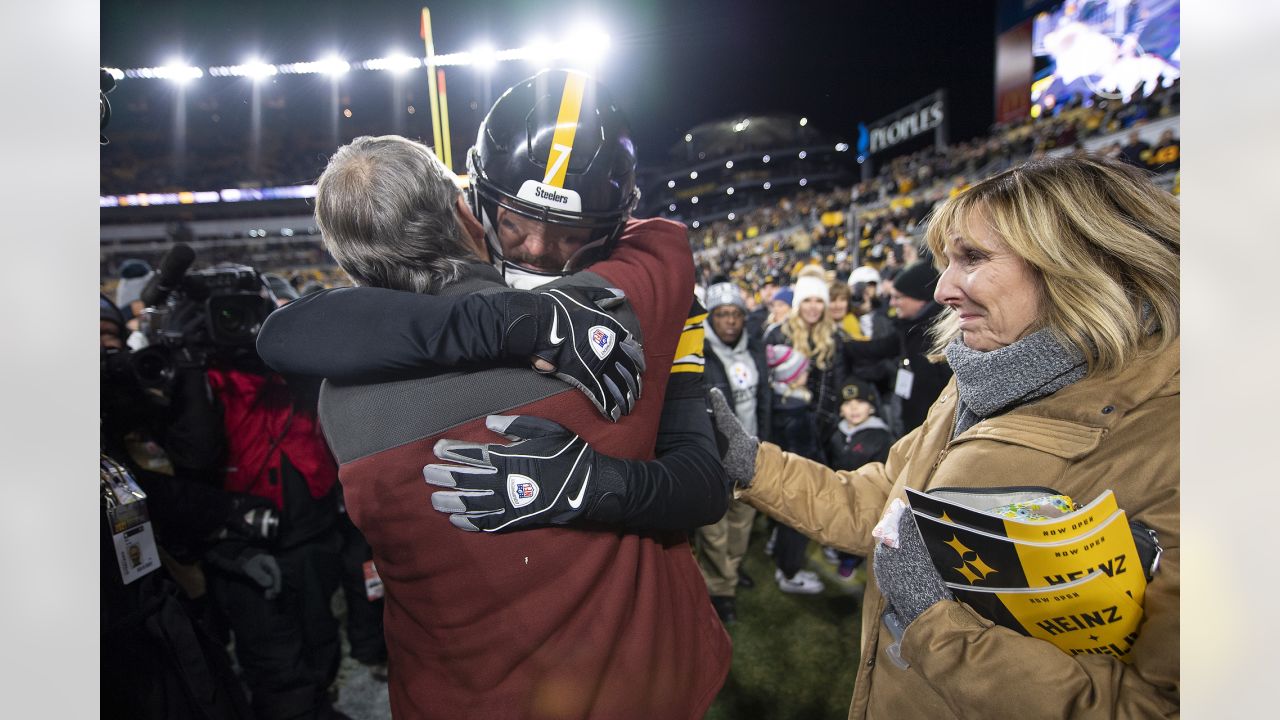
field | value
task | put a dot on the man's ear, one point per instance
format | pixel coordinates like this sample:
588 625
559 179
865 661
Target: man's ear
472 227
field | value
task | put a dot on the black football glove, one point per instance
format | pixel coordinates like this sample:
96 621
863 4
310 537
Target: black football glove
548 476
589 349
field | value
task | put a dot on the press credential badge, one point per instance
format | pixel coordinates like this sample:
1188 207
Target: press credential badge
130 523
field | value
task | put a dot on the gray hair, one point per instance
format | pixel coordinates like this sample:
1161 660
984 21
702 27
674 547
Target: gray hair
385 207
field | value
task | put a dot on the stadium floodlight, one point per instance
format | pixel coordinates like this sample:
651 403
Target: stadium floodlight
254 70
333 65
804 181
671 183
484 57
729 191
538 52
767 184
765 159
728 164
672 207
696 224
733 216
842 147
804 121
178 72
688 137
803 154
740 126
693 175
116 73
395 62
694 199
587 42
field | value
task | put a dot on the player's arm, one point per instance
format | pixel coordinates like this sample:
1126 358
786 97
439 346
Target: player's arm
365 334
684 487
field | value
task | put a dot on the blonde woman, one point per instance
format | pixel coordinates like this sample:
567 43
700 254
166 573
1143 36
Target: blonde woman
806 411
1060 278
810 330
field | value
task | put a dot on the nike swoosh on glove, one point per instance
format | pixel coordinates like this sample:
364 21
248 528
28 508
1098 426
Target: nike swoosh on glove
590 350
547 476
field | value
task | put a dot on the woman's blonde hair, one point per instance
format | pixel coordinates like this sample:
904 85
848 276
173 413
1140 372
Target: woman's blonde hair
1102 239
818 341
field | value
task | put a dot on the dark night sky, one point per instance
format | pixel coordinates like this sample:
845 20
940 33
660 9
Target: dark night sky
672 65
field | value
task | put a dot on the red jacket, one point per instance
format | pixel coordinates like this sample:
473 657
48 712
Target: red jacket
261 424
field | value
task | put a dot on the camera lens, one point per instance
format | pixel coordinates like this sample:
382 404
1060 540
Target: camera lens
231 321
152 366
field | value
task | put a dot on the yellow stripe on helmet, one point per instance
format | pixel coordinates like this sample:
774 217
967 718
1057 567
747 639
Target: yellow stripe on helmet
566 129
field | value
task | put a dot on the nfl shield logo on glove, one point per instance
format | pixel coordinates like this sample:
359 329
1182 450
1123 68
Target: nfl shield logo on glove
521 490
602 339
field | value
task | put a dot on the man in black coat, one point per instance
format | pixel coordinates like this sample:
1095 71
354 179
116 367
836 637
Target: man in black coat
735 363
915 381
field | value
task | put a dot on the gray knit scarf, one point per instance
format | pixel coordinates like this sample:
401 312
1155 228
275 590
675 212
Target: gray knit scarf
998 380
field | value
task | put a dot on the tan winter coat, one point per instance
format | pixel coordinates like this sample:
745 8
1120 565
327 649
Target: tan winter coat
1119 433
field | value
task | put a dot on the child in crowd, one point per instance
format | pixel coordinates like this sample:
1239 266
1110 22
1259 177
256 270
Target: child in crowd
795 429
793 423
860 438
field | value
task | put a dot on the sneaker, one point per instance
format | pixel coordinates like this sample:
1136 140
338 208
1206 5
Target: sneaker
744 580
803 582
831 555
726 608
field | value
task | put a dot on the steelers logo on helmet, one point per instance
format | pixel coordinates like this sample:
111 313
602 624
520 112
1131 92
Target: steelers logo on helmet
555 149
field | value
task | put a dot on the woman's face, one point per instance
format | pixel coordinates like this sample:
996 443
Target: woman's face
811 310
995 292
839 308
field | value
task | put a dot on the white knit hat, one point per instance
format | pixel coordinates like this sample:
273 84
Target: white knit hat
808 286
863 274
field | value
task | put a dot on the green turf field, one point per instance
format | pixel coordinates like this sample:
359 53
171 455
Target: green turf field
794 656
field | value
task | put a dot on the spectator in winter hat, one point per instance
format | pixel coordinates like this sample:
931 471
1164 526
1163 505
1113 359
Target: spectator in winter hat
779 307
734 362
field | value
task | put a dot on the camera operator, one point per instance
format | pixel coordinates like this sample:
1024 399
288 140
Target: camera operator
157 660
273 583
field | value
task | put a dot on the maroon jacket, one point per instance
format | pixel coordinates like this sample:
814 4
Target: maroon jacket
546 623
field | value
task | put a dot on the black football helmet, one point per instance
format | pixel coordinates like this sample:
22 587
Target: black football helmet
556 149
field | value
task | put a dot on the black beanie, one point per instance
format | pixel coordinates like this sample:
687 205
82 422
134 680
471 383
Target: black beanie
918 280
858 389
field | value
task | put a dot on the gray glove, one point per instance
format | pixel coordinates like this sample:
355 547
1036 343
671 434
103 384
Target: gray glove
264 570
906 575
737 448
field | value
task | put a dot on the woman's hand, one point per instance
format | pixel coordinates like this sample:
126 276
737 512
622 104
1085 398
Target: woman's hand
737 448
905 574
